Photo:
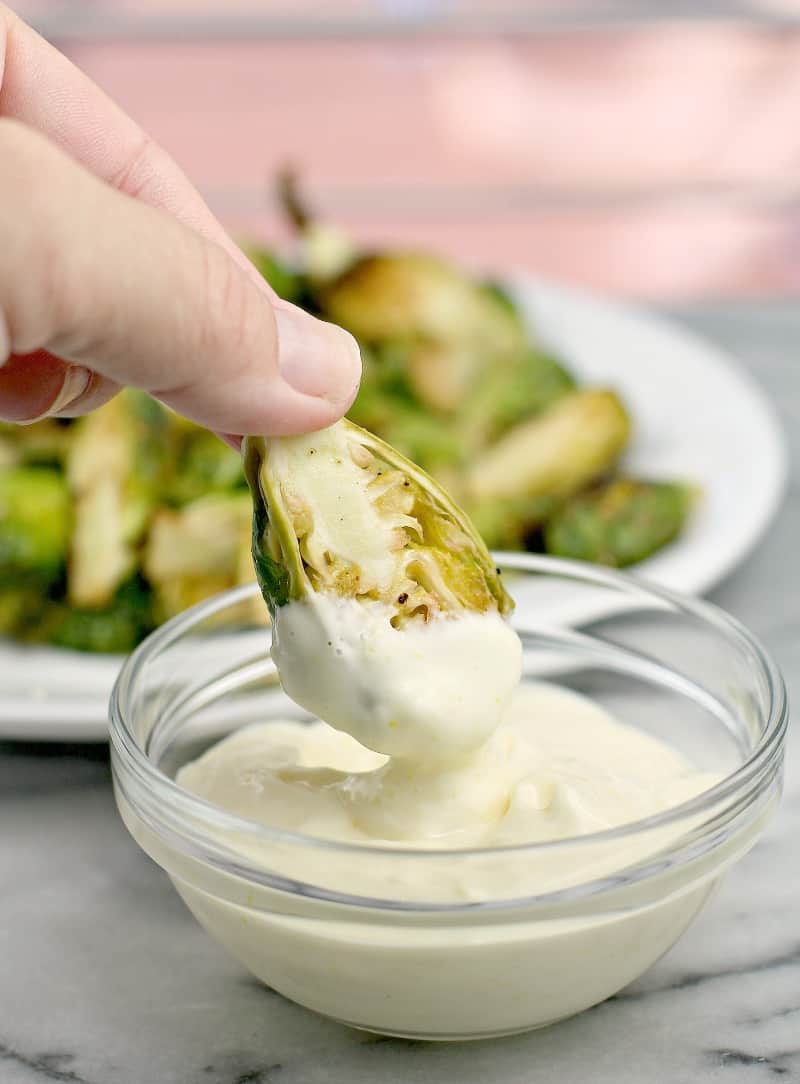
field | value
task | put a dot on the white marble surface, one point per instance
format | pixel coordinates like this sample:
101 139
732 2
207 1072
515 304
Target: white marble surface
106 979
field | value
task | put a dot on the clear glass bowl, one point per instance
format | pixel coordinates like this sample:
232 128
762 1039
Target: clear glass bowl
497 940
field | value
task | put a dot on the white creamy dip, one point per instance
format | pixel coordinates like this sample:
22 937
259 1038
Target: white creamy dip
557 766
430 691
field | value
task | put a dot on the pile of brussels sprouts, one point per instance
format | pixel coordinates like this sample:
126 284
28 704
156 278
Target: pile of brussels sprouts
114 522
454 380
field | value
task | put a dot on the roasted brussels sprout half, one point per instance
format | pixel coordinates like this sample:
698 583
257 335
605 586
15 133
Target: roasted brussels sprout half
433 443
343 513
35 520
203 464
410 295
450 326
384 387
195 551
555 454
117 627
117 468
621 522
44 444
511 523
509 392
21 610
441 374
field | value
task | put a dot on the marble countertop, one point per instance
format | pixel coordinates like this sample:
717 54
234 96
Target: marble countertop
106 979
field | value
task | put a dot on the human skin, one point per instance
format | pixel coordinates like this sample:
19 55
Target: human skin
114 272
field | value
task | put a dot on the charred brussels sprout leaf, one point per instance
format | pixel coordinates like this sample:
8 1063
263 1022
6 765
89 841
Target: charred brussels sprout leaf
619 523
343 513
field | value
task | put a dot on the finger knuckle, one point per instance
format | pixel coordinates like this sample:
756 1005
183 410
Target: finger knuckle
139 170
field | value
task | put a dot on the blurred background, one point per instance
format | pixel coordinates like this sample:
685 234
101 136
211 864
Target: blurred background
646 149
640 149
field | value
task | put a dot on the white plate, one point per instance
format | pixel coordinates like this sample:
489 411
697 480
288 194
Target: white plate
697 417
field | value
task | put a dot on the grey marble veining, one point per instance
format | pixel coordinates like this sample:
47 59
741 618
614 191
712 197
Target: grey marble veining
106 979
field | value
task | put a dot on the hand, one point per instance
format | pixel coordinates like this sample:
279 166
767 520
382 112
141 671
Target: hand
113 271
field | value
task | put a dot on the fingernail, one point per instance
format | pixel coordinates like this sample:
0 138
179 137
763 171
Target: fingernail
316 358
76 381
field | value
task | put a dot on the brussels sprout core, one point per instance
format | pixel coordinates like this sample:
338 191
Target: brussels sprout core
341 512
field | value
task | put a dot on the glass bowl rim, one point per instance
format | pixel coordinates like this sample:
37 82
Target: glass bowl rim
767 749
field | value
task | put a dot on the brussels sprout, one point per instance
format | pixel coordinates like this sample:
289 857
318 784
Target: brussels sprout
43 444
509 524
117 627
508 392
204 464
343 513
326 250
118 465
450 325
326 253
442 374
21 609
384 387
9 452
405 295
196 551
172 597
555 454
200 539
621 522
500 294
372 406
34 525
431 442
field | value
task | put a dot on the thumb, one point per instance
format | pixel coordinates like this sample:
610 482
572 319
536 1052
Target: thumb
130 296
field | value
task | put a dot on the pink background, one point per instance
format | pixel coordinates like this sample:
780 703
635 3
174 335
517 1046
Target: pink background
662 161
